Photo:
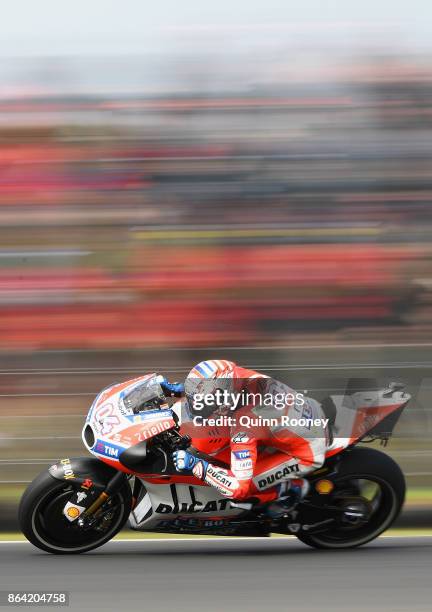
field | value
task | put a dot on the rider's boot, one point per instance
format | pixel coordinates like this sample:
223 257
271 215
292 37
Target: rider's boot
291 493
243 505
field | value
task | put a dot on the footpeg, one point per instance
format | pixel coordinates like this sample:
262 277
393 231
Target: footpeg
241 505
315 525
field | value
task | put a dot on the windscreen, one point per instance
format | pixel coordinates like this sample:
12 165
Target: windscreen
147 395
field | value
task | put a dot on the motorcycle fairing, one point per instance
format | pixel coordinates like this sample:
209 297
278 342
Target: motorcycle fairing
168 502
359 413
111 427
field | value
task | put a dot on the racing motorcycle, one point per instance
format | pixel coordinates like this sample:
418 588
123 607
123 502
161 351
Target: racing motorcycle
79 504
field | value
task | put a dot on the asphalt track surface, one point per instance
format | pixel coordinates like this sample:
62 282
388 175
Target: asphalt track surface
390 574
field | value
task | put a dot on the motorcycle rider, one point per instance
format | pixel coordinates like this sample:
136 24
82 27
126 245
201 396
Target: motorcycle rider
266 465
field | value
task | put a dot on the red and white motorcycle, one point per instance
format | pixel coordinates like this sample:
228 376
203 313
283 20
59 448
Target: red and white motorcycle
79 504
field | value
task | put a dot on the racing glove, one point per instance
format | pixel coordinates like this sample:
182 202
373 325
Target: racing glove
172 389
187 461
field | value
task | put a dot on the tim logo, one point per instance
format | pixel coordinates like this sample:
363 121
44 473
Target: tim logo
107 449
244 454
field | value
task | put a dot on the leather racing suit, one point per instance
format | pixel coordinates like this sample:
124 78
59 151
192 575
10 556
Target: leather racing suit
265 462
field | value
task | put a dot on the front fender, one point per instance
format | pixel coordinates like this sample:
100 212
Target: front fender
88 472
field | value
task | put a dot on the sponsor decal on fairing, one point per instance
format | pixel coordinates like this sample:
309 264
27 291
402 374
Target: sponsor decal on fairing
67 469
277 476
108 450
197 506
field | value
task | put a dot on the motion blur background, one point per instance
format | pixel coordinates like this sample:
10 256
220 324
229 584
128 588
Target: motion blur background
245 180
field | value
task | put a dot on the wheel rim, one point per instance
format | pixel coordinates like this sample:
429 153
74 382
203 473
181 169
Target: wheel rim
52 528
373 497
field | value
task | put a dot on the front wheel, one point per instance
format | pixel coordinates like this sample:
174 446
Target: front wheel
370 491
42 521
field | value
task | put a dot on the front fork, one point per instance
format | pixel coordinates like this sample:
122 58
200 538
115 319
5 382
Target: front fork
112 487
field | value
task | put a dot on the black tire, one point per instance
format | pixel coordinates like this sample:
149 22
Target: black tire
368 464
42 492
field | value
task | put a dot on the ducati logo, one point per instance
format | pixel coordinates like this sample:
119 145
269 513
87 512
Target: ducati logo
197 506
276 476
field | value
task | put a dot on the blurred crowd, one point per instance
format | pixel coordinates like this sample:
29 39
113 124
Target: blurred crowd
295 209
284 202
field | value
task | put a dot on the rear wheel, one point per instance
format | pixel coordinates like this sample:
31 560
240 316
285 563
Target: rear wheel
370 491
42 521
